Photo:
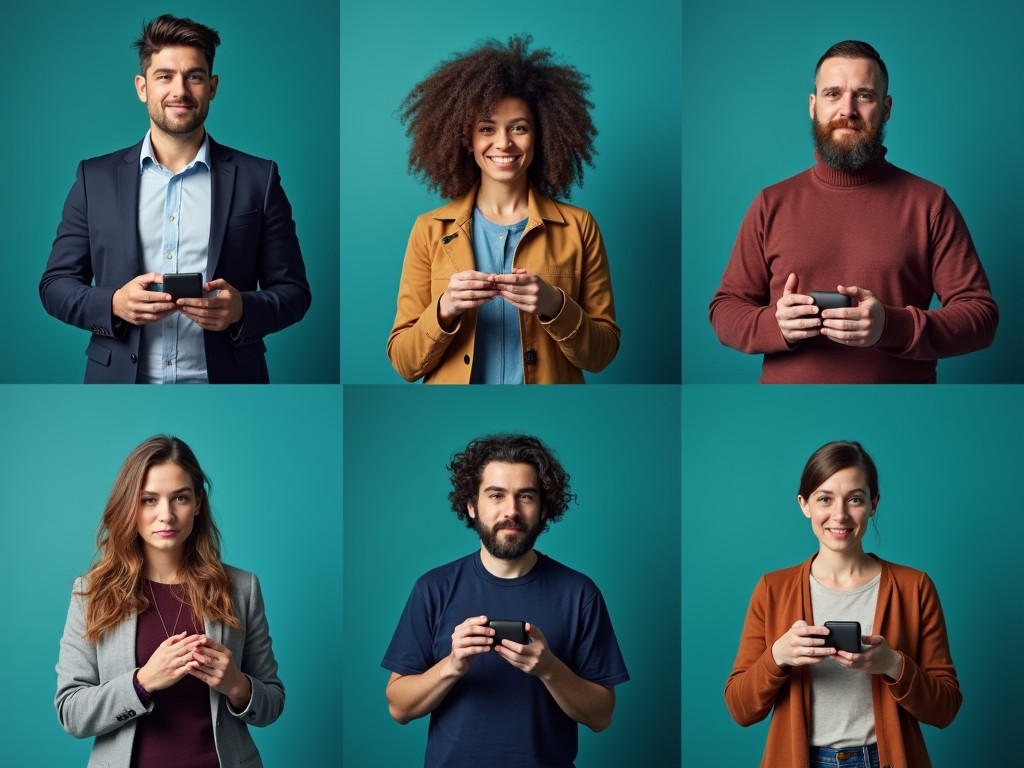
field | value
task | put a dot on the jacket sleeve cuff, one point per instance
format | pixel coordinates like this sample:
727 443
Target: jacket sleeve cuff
567 322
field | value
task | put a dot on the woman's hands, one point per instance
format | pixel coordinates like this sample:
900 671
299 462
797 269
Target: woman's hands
879 659
802 644
527 293
170 662
200 656
215 666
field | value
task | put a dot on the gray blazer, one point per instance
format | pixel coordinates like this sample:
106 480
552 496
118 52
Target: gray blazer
96 696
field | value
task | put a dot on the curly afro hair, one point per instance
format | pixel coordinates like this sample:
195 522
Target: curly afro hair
441 111
467 468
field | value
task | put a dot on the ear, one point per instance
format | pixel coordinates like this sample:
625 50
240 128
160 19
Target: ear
214 82
874 505
888 109
471 510
803 506
810 105
140 87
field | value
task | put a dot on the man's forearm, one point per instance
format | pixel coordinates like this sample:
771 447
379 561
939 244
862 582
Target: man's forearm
585 702
413 696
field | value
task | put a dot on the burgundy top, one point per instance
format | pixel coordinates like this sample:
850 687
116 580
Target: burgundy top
178 732
878 228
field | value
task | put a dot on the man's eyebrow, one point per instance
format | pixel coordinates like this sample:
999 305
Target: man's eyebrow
172 70
528 489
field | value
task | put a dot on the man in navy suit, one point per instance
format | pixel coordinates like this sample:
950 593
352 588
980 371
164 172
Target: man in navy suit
177 202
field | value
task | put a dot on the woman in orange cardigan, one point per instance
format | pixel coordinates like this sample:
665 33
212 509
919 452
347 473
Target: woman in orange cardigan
837 707
505 284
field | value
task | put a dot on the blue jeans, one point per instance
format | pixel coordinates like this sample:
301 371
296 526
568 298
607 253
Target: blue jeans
848 757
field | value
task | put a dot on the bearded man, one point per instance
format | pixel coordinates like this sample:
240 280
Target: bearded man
176 207
872 243
495 699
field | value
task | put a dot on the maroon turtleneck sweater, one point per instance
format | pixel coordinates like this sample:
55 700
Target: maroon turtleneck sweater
878 228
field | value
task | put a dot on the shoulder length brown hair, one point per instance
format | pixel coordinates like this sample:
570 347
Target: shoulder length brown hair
114 587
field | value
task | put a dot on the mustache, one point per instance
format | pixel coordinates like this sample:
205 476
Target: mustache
514 524
852 123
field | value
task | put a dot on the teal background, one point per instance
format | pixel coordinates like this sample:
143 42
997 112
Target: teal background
748 70
631 53
948 461
74 97
619 444
274 455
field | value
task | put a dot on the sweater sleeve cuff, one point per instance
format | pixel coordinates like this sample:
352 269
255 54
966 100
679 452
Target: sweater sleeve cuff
899 329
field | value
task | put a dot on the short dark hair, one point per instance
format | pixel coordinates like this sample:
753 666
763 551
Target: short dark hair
165 31
833 457
467 470
853 49
442 110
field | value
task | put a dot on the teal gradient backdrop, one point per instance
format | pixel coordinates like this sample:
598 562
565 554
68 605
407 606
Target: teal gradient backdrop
75 98
631 53
948 461
621 448
748 70
274 456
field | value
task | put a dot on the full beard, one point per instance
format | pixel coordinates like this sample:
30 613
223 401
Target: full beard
509 549
849 153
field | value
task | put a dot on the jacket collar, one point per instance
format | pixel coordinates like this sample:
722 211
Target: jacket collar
541 208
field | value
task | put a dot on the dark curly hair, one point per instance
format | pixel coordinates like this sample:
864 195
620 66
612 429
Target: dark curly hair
441 111
467 468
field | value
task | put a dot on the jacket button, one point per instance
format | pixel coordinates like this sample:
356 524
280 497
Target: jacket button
530 358
134 358
465 359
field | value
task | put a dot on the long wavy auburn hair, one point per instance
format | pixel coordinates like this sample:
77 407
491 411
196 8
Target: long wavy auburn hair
114 587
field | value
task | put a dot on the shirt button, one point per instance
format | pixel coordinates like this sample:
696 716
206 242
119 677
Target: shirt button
170 255
170 362
170 218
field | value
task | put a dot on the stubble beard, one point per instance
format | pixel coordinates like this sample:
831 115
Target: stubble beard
176 126
849 153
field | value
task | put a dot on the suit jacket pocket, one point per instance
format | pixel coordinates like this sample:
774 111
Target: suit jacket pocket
244 219
98 353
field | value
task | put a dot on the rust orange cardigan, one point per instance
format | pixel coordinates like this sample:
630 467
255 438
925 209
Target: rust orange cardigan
908 616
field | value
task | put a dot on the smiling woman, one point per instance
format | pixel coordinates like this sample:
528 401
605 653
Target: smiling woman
504 285
162 639
866 703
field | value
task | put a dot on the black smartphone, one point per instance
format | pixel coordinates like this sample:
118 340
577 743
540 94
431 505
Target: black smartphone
510 630
184 285
843 635
830 299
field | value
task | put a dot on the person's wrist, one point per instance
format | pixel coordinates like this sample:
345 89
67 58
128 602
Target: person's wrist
143 694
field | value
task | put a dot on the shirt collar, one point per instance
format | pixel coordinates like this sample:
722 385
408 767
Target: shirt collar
202 156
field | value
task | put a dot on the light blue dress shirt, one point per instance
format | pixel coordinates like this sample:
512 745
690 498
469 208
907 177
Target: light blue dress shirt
174 234
498 352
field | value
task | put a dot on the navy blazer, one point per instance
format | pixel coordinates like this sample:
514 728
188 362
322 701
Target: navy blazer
96 694
253 247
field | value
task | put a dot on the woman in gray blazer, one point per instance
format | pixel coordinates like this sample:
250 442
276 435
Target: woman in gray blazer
166 656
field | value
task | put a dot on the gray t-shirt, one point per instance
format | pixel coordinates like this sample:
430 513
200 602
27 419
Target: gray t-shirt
841 710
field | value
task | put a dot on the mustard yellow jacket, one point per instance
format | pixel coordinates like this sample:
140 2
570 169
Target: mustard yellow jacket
561 244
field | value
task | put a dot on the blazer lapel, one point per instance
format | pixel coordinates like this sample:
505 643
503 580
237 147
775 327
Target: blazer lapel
128 208
222 179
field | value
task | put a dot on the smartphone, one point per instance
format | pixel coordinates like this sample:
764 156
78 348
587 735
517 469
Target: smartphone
843 635
510 630
830 299
184 285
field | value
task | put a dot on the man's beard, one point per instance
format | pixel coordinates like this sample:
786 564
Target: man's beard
177 127
849 153
508 548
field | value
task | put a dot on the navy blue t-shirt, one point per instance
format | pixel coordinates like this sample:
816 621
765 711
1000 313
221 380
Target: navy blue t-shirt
496 715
